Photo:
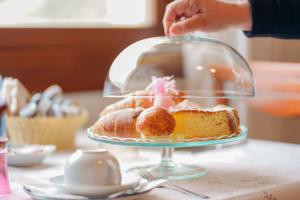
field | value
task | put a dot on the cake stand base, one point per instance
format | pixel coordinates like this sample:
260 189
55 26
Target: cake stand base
167 169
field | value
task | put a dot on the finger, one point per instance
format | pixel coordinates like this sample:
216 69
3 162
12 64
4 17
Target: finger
173 10
187 25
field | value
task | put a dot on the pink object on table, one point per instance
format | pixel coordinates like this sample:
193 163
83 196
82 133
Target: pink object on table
4 183
160 87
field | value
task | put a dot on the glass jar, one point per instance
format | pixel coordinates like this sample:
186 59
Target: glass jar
4 182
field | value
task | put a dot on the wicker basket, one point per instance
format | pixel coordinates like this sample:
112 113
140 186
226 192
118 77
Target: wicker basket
45 130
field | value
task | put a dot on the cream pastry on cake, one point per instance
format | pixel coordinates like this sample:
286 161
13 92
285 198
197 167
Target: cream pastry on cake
143 99
120 123
155 122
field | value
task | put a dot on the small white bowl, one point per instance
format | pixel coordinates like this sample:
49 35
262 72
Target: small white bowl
92 168
28 155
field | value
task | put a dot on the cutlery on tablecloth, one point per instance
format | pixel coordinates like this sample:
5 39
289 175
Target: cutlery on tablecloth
148 176
143 187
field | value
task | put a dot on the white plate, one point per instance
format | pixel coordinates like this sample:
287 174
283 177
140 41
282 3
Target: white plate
129 180
28 155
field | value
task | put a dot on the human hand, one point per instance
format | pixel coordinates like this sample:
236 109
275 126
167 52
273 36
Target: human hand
183 16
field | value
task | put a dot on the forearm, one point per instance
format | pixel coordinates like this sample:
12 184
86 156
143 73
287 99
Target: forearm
240 15
275 18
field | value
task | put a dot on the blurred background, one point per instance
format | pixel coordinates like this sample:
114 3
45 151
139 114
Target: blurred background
72 43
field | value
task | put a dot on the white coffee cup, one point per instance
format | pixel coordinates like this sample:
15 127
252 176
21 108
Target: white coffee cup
92 168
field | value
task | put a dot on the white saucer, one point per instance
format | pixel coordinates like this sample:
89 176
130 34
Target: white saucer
28 155
129 180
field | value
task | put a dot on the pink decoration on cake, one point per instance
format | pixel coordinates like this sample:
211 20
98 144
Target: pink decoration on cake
161 87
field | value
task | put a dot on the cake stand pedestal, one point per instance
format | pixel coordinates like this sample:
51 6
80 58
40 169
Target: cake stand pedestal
167 168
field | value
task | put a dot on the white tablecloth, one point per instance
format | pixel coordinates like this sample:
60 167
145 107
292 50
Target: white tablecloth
253 170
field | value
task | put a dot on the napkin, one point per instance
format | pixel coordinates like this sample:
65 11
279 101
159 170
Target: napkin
43 188
14 94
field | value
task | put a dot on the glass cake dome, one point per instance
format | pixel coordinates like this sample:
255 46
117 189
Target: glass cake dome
200 68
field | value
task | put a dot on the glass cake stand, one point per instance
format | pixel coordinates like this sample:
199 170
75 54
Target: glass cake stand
162 70
167 168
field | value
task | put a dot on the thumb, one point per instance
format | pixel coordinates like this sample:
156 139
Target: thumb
187 25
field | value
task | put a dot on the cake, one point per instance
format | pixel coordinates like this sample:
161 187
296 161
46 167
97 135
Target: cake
205 123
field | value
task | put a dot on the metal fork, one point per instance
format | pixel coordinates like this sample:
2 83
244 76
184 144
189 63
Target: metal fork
149 177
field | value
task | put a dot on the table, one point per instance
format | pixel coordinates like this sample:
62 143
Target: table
255 169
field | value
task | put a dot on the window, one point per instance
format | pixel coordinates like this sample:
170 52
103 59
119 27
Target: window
76 13
71 50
